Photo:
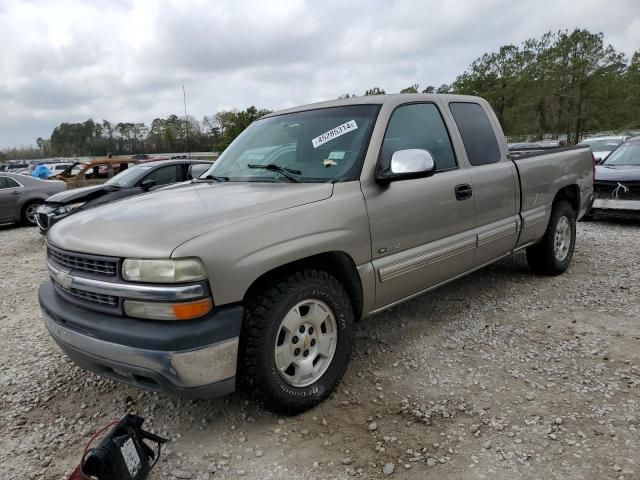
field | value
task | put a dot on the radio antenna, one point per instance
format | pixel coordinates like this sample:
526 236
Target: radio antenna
186 123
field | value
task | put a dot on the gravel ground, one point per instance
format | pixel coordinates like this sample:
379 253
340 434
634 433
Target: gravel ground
500 375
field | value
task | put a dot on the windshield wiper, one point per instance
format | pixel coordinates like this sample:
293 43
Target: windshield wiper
290 173
215 178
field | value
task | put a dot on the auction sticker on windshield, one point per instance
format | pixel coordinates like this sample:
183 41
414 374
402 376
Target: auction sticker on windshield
334 133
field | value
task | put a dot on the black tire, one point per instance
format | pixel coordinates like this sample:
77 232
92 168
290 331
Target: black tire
24 214
258 375
542 257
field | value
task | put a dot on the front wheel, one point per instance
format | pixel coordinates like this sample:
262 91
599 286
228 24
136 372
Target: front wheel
553 254
29 213
295 342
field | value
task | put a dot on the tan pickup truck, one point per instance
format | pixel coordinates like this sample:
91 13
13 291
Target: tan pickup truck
312 219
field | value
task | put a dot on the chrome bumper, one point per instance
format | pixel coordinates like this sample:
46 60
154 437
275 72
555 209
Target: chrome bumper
606 204
199 369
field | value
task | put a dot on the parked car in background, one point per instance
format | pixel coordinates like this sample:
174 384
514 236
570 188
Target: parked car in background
603 146
314 217
94 172
57 167
132 181
9 167
617 182
20 196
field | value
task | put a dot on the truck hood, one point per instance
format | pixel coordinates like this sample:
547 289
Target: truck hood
153 225
79 194
617 173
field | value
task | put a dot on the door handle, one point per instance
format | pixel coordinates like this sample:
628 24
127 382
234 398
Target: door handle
15 192
463 191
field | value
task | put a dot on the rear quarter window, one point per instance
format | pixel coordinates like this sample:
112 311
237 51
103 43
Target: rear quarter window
477 134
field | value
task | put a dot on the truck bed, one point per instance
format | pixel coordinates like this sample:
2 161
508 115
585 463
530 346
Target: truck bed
565 166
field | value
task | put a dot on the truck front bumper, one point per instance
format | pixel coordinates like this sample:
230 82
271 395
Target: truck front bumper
195 359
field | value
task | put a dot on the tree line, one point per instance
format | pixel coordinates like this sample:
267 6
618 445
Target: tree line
563 83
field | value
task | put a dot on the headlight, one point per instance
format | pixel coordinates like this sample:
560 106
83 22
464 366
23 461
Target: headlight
163 271
67 208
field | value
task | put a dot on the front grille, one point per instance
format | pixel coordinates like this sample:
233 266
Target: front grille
617 190
83 263
90 296
43 220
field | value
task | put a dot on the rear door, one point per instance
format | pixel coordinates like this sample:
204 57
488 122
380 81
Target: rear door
494 181
422 234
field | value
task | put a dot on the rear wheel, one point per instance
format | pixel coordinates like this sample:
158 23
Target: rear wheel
296 341
553 254
28 217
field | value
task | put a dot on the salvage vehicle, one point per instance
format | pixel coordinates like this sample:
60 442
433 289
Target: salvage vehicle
314 217
132 181
603 146
617 182
21 195
94 172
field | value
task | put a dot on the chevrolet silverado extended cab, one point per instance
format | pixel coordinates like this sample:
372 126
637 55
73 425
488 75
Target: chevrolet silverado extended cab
314 217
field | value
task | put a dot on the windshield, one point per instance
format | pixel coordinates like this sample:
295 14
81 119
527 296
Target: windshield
602 145
129 177
626 154
324 145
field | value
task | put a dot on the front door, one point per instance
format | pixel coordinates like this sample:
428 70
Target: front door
422 233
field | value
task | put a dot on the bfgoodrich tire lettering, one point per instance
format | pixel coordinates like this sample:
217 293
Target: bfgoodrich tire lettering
258 373
553 254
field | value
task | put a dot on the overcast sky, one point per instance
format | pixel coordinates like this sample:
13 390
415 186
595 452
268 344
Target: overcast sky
126 60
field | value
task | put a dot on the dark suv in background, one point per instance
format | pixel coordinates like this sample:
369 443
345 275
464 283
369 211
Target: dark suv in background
132 181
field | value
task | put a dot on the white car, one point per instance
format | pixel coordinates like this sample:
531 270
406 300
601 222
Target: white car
57 167
603 146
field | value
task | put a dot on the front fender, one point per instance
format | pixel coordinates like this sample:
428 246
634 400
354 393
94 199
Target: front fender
237 255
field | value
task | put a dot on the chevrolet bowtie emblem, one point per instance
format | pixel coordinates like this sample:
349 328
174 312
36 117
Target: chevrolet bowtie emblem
64 279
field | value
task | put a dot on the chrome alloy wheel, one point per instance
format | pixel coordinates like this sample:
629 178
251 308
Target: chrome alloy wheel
30 213
306 342
562 239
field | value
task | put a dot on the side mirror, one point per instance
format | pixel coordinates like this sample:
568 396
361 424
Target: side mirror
407 164
148 184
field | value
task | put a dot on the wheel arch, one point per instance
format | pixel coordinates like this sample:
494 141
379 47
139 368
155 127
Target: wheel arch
337 263
570 194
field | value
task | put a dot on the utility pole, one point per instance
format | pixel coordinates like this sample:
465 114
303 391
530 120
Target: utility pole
186 123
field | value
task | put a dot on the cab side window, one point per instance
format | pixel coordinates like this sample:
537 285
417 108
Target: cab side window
6 182
477 134
421 126
163 175
197 169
